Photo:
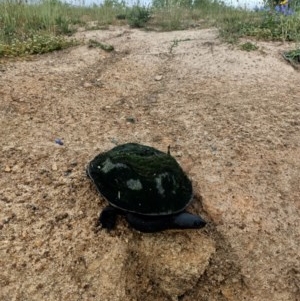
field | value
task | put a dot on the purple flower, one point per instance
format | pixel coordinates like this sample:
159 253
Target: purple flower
284 9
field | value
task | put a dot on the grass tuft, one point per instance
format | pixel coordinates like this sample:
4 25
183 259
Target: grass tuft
96 44
248 46
44 25
35 45
138 16
293 57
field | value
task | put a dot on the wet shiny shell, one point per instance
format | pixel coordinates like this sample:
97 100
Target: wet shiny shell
141 179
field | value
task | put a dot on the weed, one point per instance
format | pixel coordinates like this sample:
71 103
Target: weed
63 26
175 43
168 19
138 16
41 24
248 46
96 44
35 45
293 57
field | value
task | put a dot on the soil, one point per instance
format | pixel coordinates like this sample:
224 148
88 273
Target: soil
232 119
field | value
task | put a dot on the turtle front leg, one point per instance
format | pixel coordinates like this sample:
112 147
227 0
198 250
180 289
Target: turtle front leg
108 217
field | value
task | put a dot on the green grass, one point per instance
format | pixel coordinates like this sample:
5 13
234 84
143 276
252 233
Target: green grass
293 56
48 25
96 44
138 16
263 26
36 44
248 46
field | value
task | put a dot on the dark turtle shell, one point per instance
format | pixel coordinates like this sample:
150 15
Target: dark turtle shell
141 179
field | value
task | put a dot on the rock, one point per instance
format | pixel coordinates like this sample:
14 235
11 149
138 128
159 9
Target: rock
130 119
59 141
173 261
16 168
87 85
158 77
7 169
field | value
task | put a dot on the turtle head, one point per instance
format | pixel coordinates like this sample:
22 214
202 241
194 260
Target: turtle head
187 220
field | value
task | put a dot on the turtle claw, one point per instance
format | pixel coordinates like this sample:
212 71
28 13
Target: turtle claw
87 172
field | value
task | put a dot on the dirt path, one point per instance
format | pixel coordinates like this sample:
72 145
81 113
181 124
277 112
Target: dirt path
232 119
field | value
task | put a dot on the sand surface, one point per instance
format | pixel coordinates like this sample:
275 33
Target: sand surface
232 119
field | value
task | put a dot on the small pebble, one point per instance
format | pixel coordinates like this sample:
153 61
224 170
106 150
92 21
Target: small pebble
130 119
67 172
87 85
7 169
59 141
61 216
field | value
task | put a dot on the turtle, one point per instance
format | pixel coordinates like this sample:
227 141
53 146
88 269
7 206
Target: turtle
145 185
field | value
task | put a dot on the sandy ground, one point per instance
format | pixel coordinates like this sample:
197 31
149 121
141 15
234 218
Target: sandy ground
232 119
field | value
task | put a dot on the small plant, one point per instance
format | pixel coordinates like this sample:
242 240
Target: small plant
293 57
248 46
63 26
169 18
138 16
264 25
96 44
22 23
175 43
37 44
